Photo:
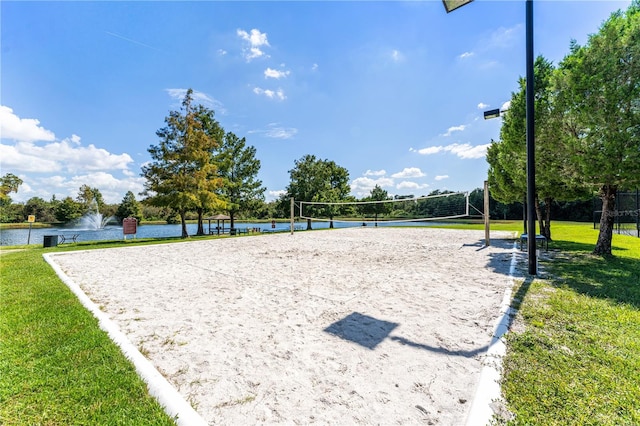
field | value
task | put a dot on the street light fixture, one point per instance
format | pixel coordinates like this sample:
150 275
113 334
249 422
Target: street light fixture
492 113
451 5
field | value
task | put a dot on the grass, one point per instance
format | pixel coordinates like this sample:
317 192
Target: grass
574 355
56 365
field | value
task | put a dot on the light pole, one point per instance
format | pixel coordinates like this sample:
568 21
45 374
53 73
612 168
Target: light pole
531 144
451 5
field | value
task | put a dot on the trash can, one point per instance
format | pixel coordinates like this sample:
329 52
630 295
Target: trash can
232 231
50 241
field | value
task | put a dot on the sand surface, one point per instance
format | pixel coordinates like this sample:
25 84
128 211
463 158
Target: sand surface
351 326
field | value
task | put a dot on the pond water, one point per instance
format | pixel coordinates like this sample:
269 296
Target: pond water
10 237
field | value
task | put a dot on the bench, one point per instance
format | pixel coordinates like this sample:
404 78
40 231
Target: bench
541 241
63 238
238 231
220 231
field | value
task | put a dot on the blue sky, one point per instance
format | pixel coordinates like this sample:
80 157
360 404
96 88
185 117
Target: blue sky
392 91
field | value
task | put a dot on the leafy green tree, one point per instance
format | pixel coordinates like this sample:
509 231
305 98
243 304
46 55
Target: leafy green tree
281 208
41 209
207 194
12 213
438 206
129 207
153 213
375 209
8 183
264 209
238 167
598 96
90 198
508 158
182 175
68 210
320 181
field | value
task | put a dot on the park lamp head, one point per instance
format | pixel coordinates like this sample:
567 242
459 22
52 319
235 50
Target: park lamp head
451 5
492 113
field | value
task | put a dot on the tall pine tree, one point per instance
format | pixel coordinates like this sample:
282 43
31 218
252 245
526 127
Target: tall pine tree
182 175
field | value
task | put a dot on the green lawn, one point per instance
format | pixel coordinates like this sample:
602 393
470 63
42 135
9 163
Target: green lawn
574 355
56 366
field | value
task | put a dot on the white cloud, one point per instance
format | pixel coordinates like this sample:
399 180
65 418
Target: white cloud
375 172
271 73
466 55
505 37
281 132
66 155
408 172
22 157
274 130
441 177
199 97
428 150
464 151
397 56
506 106
411 185
362 186
275 194
450 130
105 182
22 129
112 188
278 94
222 52
314 67
255 41
482 105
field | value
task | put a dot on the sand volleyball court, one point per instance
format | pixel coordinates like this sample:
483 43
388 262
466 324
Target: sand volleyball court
350 326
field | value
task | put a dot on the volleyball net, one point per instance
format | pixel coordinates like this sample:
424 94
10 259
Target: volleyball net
408 209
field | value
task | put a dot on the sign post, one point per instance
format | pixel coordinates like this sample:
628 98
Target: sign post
30 219
129 227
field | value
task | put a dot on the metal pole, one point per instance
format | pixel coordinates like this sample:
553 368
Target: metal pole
531 167
292 204
487 238
638 211
524 213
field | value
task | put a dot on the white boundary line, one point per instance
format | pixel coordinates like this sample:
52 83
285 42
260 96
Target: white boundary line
170 399
488 389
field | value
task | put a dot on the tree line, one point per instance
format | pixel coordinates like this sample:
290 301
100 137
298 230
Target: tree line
69 209
587 127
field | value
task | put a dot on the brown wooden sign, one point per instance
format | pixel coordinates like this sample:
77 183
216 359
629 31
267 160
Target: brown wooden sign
130 226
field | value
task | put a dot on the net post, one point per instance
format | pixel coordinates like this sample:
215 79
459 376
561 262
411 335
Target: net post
486 214
466 207
292 215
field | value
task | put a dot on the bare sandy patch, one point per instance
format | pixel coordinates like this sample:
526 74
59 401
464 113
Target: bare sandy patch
350 326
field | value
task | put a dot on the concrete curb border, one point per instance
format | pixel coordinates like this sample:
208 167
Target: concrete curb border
488 389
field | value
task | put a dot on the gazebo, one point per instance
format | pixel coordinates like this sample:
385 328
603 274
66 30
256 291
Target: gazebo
217 218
